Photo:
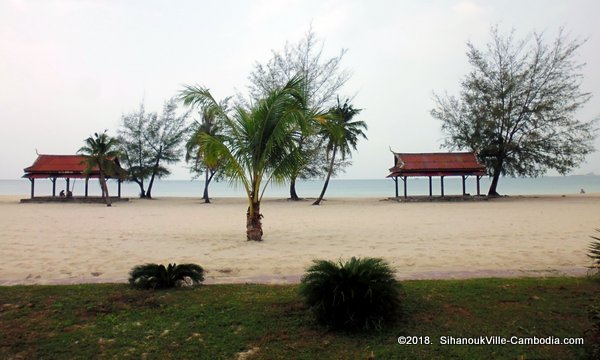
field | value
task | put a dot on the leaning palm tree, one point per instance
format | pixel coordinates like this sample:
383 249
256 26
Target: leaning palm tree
100 151
256 145
341 134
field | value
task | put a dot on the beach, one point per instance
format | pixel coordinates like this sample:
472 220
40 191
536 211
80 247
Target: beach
57 243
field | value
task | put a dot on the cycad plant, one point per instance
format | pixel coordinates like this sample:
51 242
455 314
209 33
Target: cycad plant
154 276
358 293
594 254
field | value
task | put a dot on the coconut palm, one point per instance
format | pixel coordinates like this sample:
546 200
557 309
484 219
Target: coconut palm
210 125
341 134
154 276
100 151
257 145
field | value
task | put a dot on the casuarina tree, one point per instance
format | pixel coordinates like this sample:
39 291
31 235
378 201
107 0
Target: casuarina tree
518 107
323 79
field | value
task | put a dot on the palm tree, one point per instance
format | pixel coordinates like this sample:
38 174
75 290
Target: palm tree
257 145
195 152
341 134
100 151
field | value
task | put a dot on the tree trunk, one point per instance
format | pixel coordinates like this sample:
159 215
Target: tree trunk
293 194
154 170
207 180
318 201
253 223
141 185
104 187
495 177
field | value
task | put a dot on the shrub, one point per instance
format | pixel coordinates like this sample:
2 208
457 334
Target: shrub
154 276
359 293
594 254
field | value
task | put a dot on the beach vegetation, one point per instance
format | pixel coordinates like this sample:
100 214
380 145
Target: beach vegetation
155 276
594 254
149 141
195 153
226 321
360 293
257 144
100 151
518 107
323 79
340 132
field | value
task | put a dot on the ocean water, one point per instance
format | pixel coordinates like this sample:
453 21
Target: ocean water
550 185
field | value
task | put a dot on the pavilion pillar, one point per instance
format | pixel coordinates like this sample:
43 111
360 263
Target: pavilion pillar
463 184
405 179
86 186
119 188
442 182
32 187
53 186
68 187
478 188
430 188
395 178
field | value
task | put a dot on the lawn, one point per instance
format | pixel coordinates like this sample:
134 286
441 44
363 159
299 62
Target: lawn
271 322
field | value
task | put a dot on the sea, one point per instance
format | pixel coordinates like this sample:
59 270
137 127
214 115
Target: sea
379 188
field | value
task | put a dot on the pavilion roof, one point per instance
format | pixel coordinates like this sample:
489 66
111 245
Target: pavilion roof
64 166
436 164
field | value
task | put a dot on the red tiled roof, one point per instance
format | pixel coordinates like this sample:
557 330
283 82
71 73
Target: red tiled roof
436 164
58 166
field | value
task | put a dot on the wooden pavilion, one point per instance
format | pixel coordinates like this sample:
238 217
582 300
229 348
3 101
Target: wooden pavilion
66 167
463 164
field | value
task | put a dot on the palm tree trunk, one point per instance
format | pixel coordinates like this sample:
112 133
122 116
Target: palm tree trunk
293 195
207 180
253 223
104 189
320 198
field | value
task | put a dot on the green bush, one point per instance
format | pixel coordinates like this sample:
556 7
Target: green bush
154 276
594 254
359 293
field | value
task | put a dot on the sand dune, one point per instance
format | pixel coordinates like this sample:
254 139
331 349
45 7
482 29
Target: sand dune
516 236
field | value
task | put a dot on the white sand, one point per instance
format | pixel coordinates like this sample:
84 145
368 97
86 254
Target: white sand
72 243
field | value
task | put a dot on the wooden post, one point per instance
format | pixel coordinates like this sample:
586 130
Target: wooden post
442 181
119 188
53 186
463 183
68 187
478 191
430 188
396 181
32 187
405 179
86 186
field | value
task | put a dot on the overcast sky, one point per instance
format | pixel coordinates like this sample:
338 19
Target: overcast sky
69 68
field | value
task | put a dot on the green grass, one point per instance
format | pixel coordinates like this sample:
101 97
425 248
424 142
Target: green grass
219 321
